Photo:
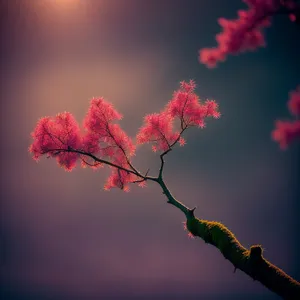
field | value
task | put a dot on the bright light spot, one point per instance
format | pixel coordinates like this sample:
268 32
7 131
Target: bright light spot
64 7
59 17
66 2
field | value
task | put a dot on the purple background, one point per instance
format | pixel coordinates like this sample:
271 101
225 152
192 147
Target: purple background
62 236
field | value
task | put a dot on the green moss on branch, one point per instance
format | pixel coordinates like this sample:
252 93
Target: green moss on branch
250 261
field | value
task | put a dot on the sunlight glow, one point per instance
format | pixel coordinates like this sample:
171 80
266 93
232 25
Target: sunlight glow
58 17
59 7
65 3
64 6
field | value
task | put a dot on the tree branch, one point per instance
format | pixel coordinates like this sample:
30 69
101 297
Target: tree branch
250 261
167 151
97 159
189 213
122 149
163 162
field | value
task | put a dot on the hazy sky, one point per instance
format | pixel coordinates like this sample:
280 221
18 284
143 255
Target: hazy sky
62 236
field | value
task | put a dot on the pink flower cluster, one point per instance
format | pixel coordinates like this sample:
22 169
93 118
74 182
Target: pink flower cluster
158 129
60 137
186 107
246 32
104 139
103 136
286 132
54 136
120 179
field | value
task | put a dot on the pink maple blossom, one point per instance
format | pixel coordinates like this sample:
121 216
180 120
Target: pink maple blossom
104 142
60 137
286 132
181 141
245 33
190 235
106 138
294 102
211 56
119 179
54 136
185 106
158 129
142 184
103 136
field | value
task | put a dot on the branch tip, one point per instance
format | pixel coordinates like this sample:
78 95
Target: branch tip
191 212
256 251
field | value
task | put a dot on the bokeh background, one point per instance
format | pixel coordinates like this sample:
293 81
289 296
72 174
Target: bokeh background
64 237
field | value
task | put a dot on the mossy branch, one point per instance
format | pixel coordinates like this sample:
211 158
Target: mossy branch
250 261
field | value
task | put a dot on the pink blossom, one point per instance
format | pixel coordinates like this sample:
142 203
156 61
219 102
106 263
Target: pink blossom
102 135
188 86
107 139
190 235
292 17
212 109
54 136
59 137
120 178
104 142
184 106
245 33
294 102
182 141
211 56
286 132
158 128
142 184
154 148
